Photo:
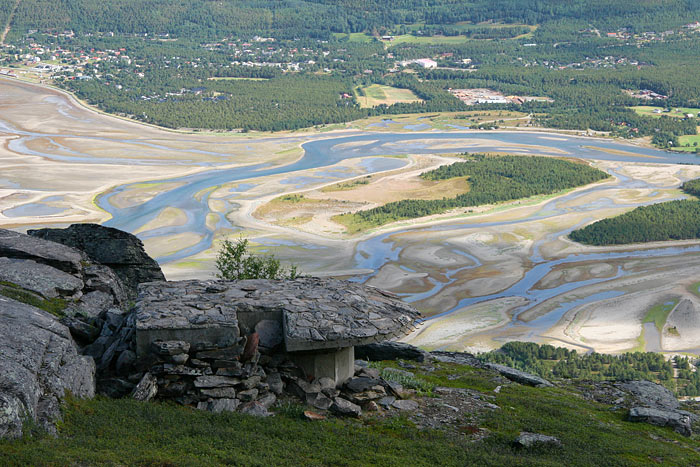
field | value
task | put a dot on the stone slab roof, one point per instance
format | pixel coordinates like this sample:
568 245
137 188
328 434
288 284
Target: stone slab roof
316 313
183 305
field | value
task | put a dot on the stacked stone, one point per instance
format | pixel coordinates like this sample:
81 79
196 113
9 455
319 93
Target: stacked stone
210 377
366 390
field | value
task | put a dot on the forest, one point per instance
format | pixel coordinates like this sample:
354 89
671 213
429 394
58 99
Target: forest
552 362
318 18
672 220
488 180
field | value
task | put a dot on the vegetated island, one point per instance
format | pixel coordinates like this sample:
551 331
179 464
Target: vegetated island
488 179
672 220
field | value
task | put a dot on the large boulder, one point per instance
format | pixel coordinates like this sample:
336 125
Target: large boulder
679 420
121 251
86 297
39 364
20 246
42 270
42 279
87 294
648 394
390 350
654 404
519 376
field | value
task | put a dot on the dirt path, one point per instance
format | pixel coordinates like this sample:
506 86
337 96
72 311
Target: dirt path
9 22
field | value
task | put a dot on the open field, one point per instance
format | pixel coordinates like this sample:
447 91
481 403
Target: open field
467 28
676 112
425 40
379 94
231 78
688 143
354 36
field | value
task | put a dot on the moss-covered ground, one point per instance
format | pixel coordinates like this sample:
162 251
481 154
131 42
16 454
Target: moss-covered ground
55 306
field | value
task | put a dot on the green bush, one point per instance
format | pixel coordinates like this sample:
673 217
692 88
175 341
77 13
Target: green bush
235 262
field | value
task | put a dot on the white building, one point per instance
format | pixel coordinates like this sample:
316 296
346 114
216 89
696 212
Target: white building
426 63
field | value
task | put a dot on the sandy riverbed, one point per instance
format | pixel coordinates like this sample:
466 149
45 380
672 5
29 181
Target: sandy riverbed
57 157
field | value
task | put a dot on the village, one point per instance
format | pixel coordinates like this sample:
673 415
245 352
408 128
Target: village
59 55
52 54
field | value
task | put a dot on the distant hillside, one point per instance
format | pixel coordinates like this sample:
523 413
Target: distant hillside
318 18
573 65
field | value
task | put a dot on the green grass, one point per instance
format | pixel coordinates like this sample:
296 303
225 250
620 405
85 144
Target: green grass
688 143
695 289
426 40
344 186
354 36
231 78
353 224
407 380
378 94
659 313
55 306
126 432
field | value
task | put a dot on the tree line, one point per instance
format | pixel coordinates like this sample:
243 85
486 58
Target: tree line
552 362
672 220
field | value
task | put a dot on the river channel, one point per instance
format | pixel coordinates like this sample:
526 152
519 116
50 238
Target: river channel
190 194
374 253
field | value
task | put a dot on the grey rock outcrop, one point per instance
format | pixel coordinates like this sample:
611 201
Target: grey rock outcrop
49 270
390 350
41 279
119 250
679 420
528 440
519 376
648 394
20 246
654 404
39 363
460 358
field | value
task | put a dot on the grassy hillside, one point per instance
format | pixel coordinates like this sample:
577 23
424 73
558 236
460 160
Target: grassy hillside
125 432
